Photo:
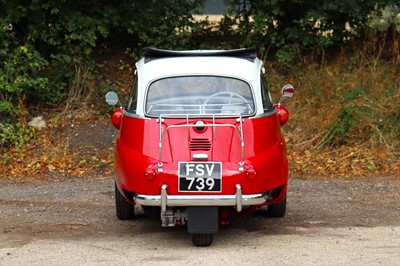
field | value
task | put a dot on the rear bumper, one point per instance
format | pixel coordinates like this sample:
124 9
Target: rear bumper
238 200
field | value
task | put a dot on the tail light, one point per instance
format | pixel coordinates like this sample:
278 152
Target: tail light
283 114
251 173
150 174
116 118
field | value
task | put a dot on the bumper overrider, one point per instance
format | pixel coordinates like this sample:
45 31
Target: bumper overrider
238 200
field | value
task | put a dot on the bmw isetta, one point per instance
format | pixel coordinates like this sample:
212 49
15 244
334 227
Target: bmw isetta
200 140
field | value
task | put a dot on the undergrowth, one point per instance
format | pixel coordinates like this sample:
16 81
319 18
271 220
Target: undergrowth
344 118
343 121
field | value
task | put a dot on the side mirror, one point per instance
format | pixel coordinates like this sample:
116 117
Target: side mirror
111 98
287 92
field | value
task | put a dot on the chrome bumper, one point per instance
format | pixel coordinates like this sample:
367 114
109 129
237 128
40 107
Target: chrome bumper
238 200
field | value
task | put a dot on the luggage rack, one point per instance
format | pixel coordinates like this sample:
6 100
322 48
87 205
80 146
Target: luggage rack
239 131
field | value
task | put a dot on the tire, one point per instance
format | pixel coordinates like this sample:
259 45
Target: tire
278 209
202 240
125 210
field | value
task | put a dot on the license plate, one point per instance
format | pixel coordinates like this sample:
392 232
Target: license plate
200 177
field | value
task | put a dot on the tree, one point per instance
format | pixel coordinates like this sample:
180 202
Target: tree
303 24
45 44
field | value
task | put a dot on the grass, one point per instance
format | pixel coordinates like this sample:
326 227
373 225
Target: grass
344 119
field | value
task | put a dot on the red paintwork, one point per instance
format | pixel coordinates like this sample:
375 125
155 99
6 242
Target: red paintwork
137 150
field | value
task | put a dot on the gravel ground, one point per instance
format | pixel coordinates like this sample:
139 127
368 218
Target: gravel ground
327 221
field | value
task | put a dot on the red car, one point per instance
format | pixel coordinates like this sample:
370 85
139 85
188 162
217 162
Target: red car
200 140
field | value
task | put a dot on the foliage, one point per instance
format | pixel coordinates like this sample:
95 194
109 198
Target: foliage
308 25
17 135
164 24
347 119
47 47
381 20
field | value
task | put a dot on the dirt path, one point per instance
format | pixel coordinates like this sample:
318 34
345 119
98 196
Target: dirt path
74 223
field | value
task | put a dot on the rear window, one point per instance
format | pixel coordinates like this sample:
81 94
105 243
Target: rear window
199 95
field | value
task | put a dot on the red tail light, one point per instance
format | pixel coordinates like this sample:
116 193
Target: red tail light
283 114
116 118
251 173
150 174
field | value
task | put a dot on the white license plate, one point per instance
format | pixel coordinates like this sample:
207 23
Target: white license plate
200 177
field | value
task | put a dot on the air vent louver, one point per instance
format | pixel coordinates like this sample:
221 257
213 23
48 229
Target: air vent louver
200 144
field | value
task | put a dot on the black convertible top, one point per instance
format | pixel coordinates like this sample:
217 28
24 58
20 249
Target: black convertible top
151 53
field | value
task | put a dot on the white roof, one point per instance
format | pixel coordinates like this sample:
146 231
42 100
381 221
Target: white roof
157 68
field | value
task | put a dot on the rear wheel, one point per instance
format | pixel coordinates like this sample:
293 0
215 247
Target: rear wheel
202 240
277 209
125 210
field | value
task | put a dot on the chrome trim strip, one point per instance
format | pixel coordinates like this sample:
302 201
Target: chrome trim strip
125 112
269 113
199 116
196 116
241 163
214 129
238 200
159 165
200 157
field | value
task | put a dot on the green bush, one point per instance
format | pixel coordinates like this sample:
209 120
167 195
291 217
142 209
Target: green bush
309 25
47 47
21 78
14 134
381 20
